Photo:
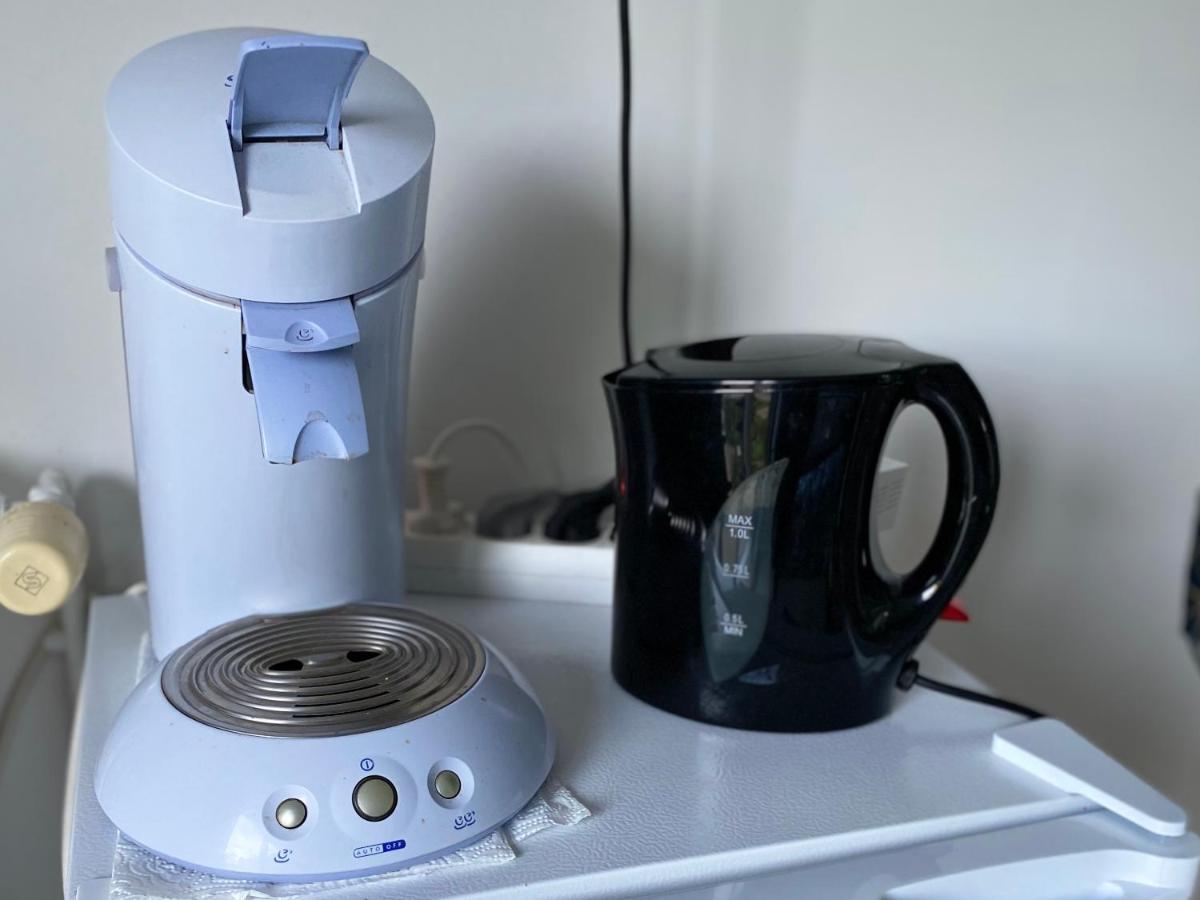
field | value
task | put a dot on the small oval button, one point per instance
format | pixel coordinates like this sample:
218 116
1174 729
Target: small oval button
291 813
447 784
374 798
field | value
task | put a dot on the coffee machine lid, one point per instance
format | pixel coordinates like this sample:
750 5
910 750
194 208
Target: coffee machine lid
771 358
257 164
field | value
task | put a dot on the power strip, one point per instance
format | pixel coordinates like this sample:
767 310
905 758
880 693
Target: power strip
534 568
531 568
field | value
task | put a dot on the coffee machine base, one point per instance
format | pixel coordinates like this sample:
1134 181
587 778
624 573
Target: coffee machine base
344 742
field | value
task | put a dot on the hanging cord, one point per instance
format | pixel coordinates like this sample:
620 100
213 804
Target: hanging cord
911 676
22 687
626 211
436 512
577 516
476 424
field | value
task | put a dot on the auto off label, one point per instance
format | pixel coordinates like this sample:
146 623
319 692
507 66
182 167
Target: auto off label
376 849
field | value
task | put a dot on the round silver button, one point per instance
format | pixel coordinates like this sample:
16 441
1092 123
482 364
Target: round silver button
374 798
291 813
447 784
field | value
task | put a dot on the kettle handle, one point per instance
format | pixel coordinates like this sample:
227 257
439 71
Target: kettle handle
906 606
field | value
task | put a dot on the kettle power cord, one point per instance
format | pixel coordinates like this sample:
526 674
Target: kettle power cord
910 676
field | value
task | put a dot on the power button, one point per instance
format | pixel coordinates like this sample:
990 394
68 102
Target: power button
374 798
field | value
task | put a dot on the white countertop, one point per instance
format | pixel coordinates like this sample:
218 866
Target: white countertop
676 803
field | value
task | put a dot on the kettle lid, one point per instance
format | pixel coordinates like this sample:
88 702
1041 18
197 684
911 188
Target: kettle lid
268 165
773 357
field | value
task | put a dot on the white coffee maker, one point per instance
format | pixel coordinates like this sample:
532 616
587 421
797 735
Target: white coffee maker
269 193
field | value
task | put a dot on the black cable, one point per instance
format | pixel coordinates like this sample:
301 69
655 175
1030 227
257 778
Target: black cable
626 214
910 676
576 519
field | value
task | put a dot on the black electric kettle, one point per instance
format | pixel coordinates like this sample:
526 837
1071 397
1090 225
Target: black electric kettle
749 590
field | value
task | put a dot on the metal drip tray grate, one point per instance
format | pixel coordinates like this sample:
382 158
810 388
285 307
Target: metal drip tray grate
337 671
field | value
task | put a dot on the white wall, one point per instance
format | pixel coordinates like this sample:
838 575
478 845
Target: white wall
1014 185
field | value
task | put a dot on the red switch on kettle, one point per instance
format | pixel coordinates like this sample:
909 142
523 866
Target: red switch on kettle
954 612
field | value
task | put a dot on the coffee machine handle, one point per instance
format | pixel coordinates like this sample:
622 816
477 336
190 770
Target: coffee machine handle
905 606
291 87
305 383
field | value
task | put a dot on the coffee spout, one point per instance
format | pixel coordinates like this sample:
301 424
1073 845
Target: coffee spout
305 383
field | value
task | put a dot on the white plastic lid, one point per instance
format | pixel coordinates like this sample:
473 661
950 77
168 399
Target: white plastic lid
298 214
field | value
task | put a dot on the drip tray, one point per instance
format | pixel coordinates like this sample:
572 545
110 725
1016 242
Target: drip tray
340 671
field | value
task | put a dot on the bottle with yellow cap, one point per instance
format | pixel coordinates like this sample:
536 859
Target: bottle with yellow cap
43 549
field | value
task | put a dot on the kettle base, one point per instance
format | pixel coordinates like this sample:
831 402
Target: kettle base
811 700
